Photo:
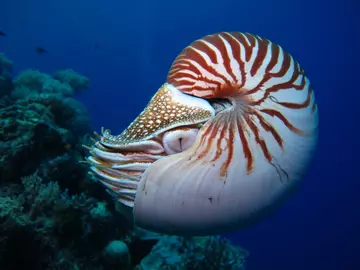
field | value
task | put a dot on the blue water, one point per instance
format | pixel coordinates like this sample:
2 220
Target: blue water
137 42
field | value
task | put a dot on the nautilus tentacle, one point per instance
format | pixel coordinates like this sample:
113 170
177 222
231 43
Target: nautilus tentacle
251 143
168 125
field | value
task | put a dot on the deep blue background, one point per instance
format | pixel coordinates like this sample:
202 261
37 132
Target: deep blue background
138 40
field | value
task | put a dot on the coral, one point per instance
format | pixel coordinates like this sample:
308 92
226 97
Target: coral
74 79
39 205
42 132
100 211
52 215
30 82
6 85
116 254
198 253
28 136
48 203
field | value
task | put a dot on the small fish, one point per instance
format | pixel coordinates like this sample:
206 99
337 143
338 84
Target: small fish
40 50
2 34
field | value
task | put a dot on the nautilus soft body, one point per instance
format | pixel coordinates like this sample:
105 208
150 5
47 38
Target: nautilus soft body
223 142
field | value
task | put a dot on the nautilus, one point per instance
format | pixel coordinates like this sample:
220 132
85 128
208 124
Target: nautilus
223 142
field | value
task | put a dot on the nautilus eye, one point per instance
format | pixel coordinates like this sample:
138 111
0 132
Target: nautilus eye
179 140
222 143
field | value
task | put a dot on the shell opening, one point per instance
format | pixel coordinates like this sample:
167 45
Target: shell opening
220 105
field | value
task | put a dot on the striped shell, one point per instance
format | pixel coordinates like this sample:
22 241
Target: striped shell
265 83
253 120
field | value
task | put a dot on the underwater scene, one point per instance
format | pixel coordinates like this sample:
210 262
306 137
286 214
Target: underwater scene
187 135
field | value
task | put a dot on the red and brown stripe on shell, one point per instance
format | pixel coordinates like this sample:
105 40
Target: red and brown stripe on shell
259 77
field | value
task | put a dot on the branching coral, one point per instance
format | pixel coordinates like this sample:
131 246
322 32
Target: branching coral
42 131
40 208
27 137
74 79
31 82
64 82
38 204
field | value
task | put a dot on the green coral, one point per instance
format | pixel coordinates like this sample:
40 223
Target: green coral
41 210
116 255
46 222
64 82
31 81
42 132
38 205
74 79
100 211
197 253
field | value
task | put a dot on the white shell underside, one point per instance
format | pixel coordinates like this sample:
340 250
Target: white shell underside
186 194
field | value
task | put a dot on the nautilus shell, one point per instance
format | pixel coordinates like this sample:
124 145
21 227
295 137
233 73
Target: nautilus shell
223 142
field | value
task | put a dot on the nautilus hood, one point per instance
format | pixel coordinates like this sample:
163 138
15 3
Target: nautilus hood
222 143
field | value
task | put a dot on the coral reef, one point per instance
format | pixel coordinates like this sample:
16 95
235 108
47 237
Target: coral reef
31 82
47 202
198 253
52 214
75 80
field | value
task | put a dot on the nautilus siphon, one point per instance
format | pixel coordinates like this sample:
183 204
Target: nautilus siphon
222 143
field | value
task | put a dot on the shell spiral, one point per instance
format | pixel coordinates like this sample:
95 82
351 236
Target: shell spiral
220 145
246 159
